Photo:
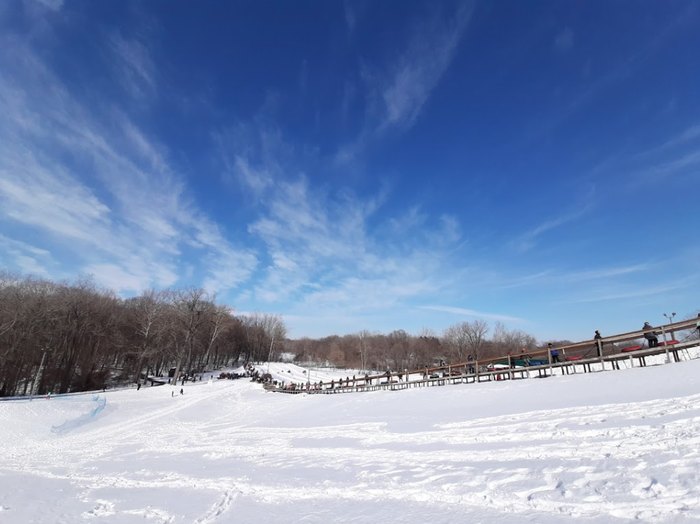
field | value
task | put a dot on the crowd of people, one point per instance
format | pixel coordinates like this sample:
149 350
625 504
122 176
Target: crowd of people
524 358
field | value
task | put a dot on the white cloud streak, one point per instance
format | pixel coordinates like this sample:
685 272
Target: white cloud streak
676 156
553 277
529 239
91 183
396 91
418 70
689 134
29 259
53 5
134 67
464 312
331 253
607 295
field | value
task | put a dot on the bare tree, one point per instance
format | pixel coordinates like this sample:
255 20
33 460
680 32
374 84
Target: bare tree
215 324
511 342
147 320
362 343
189 306
427 348
466 338
399 350
263 331
74 336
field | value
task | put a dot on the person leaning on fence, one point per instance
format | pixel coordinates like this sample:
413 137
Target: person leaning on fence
553 352
524 357
650 335
598 342
470 362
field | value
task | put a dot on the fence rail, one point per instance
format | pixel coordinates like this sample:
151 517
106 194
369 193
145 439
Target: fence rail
580 356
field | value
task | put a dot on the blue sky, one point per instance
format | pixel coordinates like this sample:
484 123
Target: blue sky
360 165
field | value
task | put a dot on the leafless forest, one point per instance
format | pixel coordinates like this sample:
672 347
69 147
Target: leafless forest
65 337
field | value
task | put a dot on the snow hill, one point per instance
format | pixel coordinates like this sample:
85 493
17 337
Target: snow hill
291 373
613 446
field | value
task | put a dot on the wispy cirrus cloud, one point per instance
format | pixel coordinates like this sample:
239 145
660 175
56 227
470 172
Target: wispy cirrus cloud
310 237
603 273
331 252
560 277
607 294
418 69
396 91
54 5
689 134
564 40
16 253
133 65
465 312
530 238
687 160
350 16
51 199
601 83
678 155
89 182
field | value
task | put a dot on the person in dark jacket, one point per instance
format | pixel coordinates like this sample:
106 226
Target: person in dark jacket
649 334
598 342
554 352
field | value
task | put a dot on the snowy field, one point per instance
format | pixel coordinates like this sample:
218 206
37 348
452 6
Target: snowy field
603 447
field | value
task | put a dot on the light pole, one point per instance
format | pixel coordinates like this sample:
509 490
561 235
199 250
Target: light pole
670 321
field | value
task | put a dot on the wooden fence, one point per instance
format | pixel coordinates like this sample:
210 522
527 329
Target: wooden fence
586 356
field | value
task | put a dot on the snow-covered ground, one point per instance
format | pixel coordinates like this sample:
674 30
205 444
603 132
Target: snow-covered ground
608 447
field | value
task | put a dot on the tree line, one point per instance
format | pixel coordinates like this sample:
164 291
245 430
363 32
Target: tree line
64 337
399 350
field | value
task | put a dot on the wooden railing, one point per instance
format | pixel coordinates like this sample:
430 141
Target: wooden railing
513 366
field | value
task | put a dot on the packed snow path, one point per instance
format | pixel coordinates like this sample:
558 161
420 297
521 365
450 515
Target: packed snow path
604 446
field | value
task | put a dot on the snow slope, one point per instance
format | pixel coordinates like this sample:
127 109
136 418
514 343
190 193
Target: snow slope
607 447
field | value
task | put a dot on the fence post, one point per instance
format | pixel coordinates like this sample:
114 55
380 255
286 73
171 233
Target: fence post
510 368
663 333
